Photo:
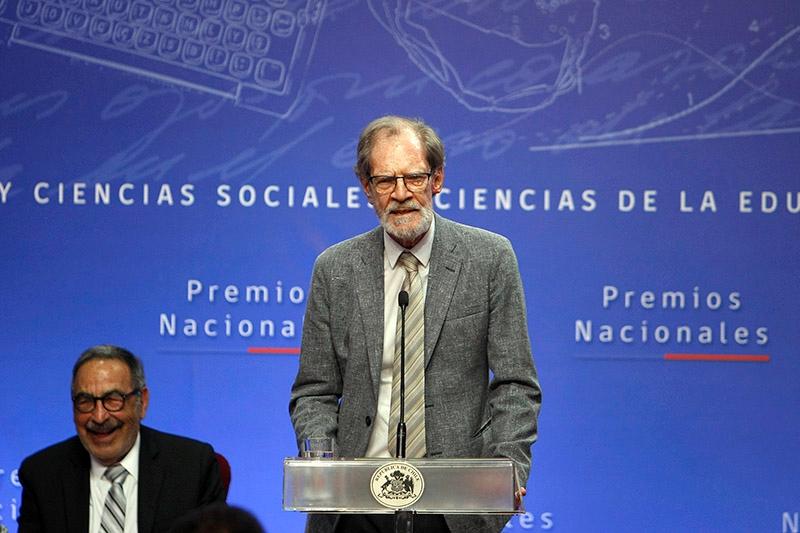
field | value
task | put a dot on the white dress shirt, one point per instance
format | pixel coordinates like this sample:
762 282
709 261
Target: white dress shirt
99 487
393 277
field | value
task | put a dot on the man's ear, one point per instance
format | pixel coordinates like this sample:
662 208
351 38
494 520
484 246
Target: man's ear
366 188
145 401
437 181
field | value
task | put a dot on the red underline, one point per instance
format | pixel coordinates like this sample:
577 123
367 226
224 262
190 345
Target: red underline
272 351
736 358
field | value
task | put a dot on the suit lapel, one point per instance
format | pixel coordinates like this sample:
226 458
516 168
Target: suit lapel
151 476
445 266
368 270
75 484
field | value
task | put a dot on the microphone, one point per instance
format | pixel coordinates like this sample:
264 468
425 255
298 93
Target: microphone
402 300
400 449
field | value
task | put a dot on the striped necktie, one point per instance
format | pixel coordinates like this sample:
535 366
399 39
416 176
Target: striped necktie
113 519
415 365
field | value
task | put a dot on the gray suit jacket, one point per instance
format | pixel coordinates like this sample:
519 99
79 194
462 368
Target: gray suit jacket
475 323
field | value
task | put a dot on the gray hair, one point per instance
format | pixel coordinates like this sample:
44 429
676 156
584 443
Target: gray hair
391 125
108 351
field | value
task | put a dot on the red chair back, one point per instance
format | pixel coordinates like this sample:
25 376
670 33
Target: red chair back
224 472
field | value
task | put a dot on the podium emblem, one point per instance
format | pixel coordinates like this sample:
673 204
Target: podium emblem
397 485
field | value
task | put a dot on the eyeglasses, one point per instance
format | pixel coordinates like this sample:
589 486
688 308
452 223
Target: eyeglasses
415 182
112 401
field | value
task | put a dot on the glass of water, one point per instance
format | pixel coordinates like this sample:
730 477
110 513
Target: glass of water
318 448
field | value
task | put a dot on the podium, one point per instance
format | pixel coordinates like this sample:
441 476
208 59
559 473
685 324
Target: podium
386 485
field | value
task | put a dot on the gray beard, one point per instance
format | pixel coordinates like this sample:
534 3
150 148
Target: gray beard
409 234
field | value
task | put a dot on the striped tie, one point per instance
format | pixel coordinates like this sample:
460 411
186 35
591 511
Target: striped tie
113 519
415 365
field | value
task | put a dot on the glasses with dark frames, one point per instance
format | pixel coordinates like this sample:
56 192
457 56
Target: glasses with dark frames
112 401
414 182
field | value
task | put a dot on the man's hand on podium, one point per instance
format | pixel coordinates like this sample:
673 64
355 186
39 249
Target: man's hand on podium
518 497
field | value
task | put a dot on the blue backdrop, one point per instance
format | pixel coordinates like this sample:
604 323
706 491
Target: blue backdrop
169 170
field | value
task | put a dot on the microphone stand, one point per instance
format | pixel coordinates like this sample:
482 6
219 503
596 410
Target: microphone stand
403 520
400 449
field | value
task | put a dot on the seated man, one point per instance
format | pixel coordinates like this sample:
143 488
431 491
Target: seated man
116 475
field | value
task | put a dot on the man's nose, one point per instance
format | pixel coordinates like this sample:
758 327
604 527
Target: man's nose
99 414
401 192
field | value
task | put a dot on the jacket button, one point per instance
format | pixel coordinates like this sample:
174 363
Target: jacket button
368 420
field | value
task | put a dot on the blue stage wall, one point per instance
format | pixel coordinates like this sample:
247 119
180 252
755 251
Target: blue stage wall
169 170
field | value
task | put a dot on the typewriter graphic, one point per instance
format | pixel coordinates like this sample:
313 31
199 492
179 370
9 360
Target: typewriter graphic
254 52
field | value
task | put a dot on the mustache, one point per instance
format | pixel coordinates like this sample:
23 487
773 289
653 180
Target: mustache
106 427
394 205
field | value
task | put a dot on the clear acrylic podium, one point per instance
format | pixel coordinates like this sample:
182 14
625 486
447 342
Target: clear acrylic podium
469 486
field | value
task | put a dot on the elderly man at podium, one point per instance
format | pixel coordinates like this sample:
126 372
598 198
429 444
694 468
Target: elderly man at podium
471 388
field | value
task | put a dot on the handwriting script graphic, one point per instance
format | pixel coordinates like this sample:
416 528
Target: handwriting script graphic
623 73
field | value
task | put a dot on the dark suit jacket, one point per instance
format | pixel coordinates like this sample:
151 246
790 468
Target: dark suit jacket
176 475
475 322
